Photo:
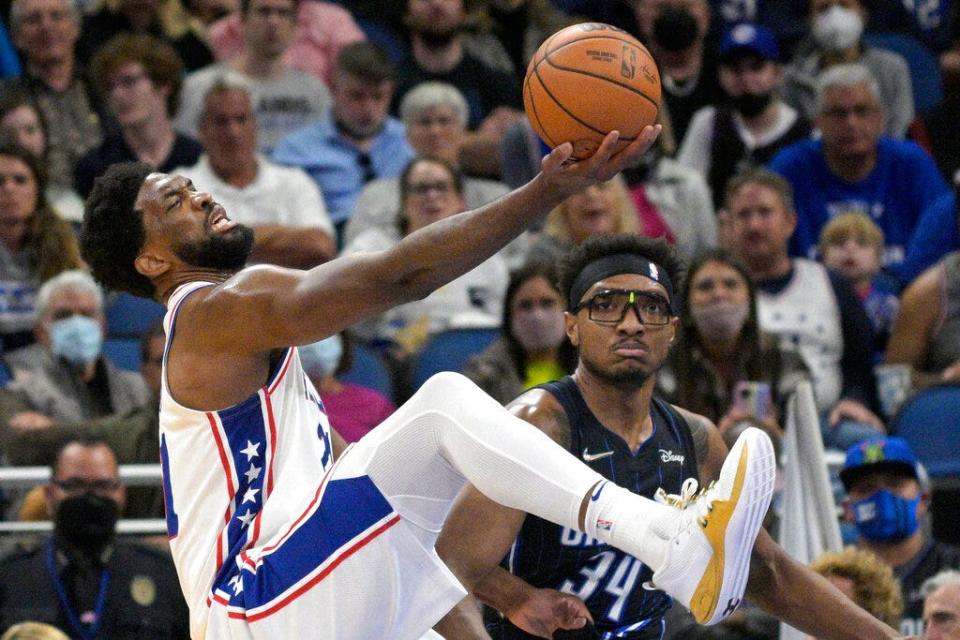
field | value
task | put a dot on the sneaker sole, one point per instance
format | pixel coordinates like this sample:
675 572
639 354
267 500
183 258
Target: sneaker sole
732 529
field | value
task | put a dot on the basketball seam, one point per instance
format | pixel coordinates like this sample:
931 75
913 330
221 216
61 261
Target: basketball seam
546 58
533 106
536 70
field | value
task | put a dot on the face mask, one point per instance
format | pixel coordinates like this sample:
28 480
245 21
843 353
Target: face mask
675 29
751 104
538 329
886 517
837 29
76 339
720 320
322 358
87 521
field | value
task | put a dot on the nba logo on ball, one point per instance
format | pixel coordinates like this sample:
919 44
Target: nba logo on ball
587 80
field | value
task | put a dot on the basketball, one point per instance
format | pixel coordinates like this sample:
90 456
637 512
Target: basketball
587 80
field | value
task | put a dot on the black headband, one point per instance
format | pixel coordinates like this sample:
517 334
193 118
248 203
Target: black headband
616 264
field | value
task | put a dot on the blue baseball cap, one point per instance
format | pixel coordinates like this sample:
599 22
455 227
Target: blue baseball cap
877 454
749 38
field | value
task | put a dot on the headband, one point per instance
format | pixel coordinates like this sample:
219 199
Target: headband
616 264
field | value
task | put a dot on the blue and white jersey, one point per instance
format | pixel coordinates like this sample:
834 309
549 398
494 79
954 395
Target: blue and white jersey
236 478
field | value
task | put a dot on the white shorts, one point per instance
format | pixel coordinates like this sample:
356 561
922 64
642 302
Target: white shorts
352 567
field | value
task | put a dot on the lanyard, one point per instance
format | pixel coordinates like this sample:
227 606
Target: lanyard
85 632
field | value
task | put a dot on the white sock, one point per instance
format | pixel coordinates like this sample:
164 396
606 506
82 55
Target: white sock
630 522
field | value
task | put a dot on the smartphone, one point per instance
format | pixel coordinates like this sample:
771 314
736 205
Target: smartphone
753 398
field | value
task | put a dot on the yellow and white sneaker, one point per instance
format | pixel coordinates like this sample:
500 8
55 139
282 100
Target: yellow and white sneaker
707 560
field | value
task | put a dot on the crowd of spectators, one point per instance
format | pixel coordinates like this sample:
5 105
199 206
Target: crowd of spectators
802 174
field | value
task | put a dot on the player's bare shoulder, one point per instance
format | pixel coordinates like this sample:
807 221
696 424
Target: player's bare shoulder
707 441
541 408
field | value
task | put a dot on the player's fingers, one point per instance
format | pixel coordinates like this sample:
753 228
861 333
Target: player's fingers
557 157
631 154
603 153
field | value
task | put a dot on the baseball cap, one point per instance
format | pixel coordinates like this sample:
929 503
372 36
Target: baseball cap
749 38
874 454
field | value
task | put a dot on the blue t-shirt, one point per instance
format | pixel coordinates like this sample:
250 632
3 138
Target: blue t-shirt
895 194
936 235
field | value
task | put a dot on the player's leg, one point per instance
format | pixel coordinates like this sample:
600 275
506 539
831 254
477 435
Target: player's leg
450 430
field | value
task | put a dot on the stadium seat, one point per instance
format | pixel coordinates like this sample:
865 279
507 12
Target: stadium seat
130 316
123 352
930 422
924 67
5 374
369 370
449 351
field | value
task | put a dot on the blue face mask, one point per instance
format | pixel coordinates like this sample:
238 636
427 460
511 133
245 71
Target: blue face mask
321 358
76 339
886 517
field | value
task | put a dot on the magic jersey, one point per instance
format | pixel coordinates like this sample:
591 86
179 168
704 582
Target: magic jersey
234 479
608 580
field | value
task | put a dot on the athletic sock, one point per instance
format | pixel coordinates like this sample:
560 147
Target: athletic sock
630 522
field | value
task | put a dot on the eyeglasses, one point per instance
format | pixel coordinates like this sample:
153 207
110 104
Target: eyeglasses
126 81
610 307
78 485
423 188
861 111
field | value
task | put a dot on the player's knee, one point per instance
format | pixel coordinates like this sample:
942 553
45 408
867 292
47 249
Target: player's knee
449 384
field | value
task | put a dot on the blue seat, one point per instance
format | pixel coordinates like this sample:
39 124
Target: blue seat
129 316
924 67
449 351
5 374
123 352
368 370
930 422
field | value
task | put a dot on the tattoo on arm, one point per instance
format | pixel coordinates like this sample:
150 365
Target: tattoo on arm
701 437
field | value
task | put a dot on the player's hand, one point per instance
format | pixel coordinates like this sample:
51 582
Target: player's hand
545 611
569 176
848 409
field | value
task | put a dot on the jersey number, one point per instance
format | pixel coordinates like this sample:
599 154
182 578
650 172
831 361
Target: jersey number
619 583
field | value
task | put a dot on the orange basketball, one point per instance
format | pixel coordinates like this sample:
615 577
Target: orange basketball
587 80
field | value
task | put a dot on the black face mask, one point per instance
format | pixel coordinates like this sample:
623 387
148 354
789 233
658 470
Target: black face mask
751 104
87 521
675 29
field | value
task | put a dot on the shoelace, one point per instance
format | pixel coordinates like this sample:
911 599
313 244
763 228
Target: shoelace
690 497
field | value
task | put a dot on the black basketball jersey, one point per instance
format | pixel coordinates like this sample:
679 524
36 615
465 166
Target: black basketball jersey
608 580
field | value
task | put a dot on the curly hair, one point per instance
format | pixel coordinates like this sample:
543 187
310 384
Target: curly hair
656 250
874 585
49 238
113 232
160 61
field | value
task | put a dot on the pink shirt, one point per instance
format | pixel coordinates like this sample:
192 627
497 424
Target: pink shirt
356 410
322 29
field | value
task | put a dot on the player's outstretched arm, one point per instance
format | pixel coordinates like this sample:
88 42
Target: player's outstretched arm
780 585
274 307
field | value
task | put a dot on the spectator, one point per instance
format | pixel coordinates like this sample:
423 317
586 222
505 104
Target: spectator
431 190
887 496
837 26
720 345
101 586
45 32
33 631
676 31
22 122
282 204
810 309
165 20
9 61
533 347
941 606
852 245
926 332
438 52
353 410
209 11
132 435
855 168
356 141
435 117
35 244
284 98
140 78
322 30
64 377
754 124
865 579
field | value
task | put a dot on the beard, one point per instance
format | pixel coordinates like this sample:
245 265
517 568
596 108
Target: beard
438 37
625 378
225 252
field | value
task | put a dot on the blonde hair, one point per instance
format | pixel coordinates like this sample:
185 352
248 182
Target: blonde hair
851 225
557 224
874 586
33 631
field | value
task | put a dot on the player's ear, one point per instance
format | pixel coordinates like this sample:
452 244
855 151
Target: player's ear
151 264
570 326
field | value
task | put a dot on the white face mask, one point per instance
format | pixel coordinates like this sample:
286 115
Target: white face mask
720 320
837 28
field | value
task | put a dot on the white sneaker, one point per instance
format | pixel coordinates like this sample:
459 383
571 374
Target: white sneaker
707 559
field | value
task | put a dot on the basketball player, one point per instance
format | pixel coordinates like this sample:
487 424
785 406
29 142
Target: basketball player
622 316
271 538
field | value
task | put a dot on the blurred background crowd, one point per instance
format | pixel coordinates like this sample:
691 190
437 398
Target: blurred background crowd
807 173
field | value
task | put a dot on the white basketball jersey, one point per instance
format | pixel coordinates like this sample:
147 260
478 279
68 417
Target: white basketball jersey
805 317
234 478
